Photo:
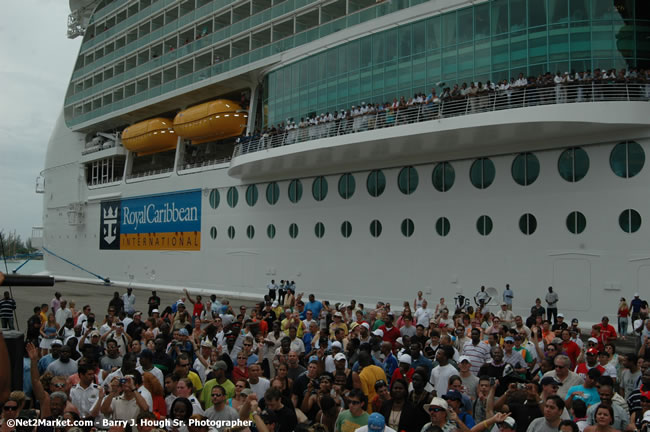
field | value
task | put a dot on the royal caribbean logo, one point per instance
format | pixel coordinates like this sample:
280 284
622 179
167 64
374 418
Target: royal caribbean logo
109 236
155 222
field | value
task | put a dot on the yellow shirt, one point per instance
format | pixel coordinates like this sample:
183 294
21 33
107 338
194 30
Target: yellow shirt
369 376
335 326
300 328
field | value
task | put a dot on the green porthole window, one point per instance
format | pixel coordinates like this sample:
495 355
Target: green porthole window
272 193
319 188
232 197
630 221
408 227
346 229
251 195
443 176
213 232
295 190
576 222
376 183
484 225
627 159
231 232
573 164
346 186
527 224
270 231
319 230
214 198
482 173
525 169
407 180
250 231
443 226
293 230
375 228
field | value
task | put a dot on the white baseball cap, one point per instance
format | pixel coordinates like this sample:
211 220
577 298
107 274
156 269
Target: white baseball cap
405 358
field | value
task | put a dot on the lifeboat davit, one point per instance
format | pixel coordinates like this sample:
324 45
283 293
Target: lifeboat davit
211 121
150 136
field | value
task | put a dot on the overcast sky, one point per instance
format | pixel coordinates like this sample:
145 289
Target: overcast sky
36 61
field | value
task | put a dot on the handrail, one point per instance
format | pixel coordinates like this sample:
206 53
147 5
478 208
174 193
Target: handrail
485 102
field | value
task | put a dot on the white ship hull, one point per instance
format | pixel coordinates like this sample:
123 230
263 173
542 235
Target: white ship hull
590 271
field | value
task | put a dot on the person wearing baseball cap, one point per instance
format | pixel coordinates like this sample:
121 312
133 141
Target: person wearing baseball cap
454 399
219 371
591 361
376 423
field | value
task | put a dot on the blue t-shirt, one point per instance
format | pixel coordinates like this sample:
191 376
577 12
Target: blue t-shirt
591 394
315 307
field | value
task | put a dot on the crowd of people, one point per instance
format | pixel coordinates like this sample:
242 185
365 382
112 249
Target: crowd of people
473 97
291 363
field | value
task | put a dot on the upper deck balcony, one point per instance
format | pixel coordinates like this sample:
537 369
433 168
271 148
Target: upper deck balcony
494 123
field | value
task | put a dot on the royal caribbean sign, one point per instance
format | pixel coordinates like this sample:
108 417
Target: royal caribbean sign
154 222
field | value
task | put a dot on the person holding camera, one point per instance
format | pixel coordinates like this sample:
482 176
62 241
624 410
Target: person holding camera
123 402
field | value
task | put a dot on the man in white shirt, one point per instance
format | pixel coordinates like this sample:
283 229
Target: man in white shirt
440 374
309 318
129 301
63 312
482 298
423 314
506 316
87 395
258 384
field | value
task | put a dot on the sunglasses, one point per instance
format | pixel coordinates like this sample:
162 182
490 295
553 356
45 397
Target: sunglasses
59 385
560 367
436 409
354 402
10 408
217 395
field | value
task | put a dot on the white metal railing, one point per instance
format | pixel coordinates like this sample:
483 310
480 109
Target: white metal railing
99 147
487 101
150 173
204 163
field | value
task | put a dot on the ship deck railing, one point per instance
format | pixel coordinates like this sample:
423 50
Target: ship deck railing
204 163
150 173
99 147
486 102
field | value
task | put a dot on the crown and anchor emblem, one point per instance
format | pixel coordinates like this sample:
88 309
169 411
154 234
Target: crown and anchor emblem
110 224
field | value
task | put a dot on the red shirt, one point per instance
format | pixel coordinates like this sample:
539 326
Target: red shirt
397 374
572 350
390 335
583 368
198 308
608 332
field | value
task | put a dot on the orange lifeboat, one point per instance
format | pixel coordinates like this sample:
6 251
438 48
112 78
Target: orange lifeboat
150 136
211 121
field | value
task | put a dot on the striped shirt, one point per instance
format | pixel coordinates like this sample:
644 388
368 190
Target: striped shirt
478 355
7 307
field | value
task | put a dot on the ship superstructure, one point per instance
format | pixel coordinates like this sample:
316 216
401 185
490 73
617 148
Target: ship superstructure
169 166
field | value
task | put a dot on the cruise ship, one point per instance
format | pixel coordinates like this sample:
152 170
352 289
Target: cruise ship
167 170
